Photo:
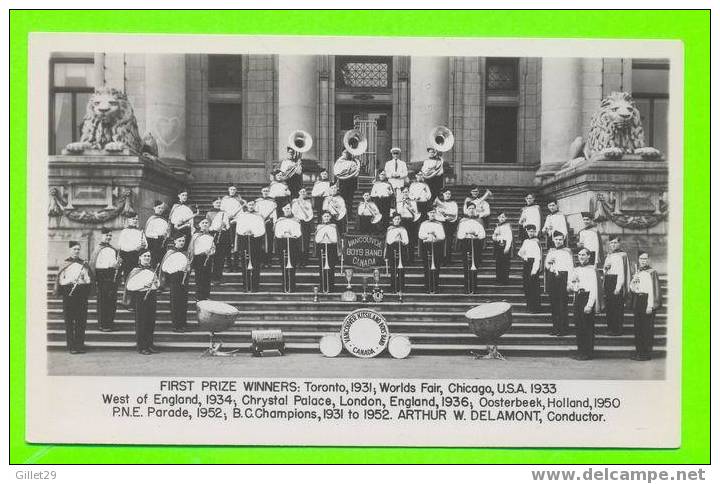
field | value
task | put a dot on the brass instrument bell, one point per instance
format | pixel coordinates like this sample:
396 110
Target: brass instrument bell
442 139
355 142
300 141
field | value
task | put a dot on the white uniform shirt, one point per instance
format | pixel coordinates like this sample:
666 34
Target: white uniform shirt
249 222
590 239
563 260
585 278
645 286
419 191
321 188
286 165
278 190
369 209
555 221
530 215
396 171
381 189
302 209
266 208
231 205
449 210
504 232
432 167
430 228
396 233
530 249
614 266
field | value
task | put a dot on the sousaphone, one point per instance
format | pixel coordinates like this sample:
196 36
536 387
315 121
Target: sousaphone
300 141
442 139
355 142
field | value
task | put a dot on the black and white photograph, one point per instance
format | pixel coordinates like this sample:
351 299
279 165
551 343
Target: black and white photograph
385 227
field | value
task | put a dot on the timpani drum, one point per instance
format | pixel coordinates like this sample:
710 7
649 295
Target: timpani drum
331 345
106 258
489 321
173 263
215 316
399 346
130 240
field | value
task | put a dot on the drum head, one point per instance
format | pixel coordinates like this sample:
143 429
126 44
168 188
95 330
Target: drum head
157 227
202 244
488 310
399 346
181 214
364 333
250 222
70 274
130 240
175 262
216 223
217 307
106 258
140 280
330 345
230 205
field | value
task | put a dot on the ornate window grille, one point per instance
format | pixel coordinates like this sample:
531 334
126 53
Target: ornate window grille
502 74
363 72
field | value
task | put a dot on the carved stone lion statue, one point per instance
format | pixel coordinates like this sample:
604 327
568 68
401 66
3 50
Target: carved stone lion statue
616 130
109 124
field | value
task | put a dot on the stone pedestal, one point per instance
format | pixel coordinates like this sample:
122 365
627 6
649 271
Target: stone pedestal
92 191
627 197
297 104
429 101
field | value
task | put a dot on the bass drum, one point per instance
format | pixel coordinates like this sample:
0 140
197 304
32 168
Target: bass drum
106 258
173 263
203 244
331 345
215 316
365 333
130 240
182 214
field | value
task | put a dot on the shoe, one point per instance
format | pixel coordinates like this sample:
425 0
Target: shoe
581 357
73 352
639 358
180 330
145 352
80 351
554 333
153 349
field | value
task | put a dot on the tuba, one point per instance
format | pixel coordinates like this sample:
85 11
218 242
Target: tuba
442 139
355 142
300 141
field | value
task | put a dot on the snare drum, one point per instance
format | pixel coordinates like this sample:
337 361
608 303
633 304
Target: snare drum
203 244
142 280
106 258
130 240
156 228
267 340
173 263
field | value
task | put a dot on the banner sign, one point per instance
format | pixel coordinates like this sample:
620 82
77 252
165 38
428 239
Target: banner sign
363 251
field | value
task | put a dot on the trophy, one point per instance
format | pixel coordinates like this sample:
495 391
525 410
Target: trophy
364 286
348 295
377 293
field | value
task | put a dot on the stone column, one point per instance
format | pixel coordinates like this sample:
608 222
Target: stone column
297 103
165 107
561 115
429 104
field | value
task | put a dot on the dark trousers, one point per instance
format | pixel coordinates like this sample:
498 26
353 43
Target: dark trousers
502 264
644 326
584 325
383 204
317 206
75 308
522 233
178 299
614 306
423 209
432 252
435 183
252 256
203 273
106 297
557 288
346 189
145 315
531 287
222 252
397 274
294 184
306 228
472 257
412 228
450 229
129 262
157 249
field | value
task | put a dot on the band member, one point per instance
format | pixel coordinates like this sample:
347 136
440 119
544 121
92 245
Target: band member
143 284
396 172
396 253
347 169
291 171
615 283
471 240
302 210
182 217
320 190
249 244
335 204
326 248
647 298
482 207
157 231
447 212
231 204
130 242
174 269
432 243
369 216
558 264
266 207
555 222
382 194
287 243
105 262
420 192
503 242
433 172
529 215
73 283
200 252
279 192
590 239
407 208
220 230
584 283
531 253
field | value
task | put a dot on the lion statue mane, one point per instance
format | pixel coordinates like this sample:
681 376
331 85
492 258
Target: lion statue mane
616 129
109 124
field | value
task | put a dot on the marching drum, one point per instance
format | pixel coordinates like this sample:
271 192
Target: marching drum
217 223
203 244
230 206
130 240
175 262
71 274
181 215
399 346
489 321
267 340
215 317
250 224
106 258
156 228
331 345
142 280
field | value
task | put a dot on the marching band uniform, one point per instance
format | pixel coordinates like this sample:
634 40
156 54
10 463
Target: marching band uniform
326 248
220 230
105 262
432 242
174 269
419 191
292 162
433 171
558 264
555 222
584 283
616 282
287 243
280 192
529 215
157 232
447 210
249 241
396 249
200 252
647 298
232 204
471 239
531 253
145 304
346 170
130 242
396 171
410 215
335 204
320 190
182 218
382 194
482 207
369 216
589 238
73 283
503 242
266 207
302 210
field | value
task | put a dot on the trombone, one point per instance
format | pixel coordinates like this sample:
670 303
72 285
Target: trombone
288 265
472 253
